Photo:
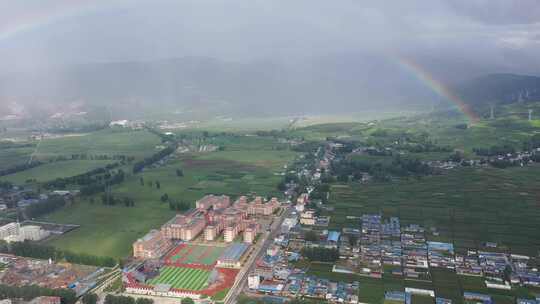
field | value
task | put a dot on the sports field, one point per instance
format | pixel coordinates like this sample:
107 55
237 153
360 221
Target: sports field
195 254
182 278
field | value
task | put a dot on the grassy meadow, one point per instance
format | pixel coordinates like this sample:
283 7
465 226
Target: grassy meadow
54 170
110 230
139 144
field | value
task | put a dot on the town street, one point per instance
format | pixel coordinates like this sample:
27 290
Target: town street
259 251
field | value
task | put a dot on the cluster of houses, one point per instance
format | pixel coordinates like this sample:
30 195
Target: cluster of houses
468 297
406 251
378 247
13 198
276 275
380 244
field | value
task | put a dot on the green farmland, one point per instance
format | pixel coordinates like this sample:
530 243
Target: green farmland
138 144
467 207
110 230
109 142
182 278
54 170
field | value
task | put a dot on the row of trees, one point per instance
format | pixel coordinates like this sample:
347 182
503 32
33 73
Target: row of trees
528 145
30 292
5 185
20 167
118 157
111 200
101 183
85 179
111 299
320 254
48 206
139 166
399 166
90 127
179 205
38 251
90 298
494 150
532 143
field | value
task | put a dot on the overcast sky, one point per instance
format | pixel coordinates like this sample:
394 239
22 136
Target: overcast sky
502 34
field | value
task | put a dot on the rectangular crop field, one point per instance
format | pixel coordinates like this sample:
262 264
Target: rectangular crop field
182 278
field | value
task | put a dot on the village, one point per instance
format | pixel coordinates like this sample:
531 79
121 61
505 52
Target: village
378 247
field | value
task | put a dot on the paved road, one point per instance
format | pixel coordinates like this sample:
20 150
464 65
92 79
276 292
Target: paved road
266 241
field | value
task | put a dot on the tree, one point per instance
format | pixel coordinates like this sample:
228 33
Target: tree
320 254
164 197
90 298
158 185
187 301
353 239
141 180
311 236
179 172
144 301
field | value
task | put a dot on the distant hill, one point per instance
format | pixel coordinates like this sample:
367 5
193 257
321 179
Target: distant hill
335 84
500 89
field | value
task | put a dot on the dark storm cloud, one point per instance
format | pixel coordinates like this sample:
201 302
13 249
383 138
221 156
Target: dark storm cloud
452 38
499 12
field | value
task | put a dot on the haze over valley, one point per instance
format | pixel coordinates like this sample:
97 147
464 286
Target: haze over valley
256 151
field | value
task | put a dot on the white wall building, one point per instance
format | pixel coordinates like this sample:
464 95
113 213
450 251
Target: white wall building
33 233
253 281
13 232
9 229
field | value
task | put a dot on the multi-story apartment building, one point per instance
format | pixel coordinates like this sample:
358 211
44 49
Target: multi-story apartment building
230 233
213 202
251 232
211 232
184 227
9 229
258 206
152 246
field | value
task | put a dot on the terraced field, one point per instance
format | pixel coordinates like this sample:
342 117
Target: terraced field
182 278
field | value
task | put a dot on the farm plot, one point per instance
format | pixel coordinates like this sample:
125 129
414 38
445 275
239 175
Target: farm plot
182 278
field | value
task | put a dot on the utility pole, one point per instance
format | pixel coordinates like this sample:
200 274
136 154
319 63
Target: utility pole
530 114
492 112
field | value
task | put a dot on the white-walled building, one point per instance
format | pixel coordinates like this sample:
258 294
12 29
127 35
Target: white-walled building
9 229
253 281
13 232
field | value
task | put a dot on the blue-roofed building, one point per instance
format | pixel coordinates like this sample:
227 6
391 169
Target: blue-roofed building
486 299
398 296
333 236
232 256
442 301
527 301
270 287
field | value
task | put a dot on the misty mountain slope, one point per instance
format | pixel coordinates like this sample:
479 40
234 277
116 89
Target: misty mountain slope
501 89
332 83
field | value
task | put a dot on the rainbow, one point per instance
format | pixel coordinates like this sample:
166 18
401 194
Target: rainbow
28 22
426 78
